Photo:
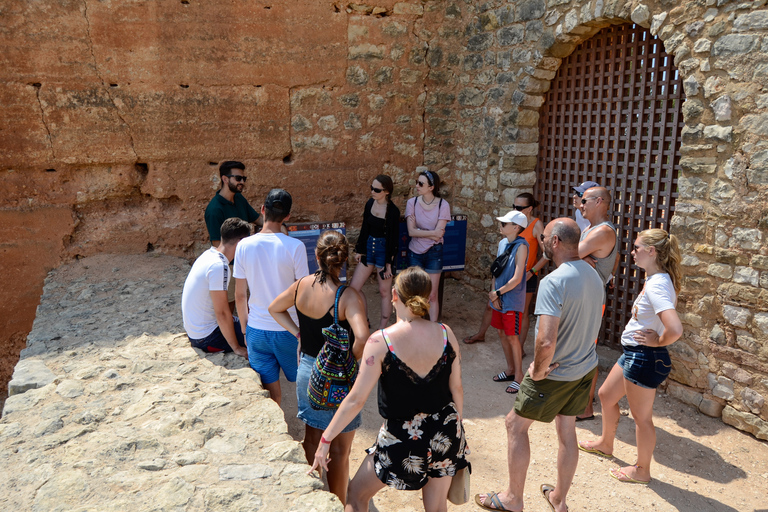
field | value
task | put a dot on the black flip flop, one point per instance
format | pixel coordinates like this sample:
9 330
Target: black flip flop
503 377
513 388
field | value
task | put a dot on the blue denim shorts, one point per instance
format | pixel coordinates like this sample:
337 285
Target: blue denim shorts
312 417
376 252
431 261
645 366
216 342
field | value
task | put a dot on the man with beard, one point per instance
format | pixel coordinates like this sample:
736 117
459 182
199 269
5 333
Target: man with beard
557 383
229 202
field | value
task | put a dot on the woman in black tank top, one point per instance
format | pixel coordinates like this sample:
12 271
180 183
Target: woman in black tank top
314 302
416 364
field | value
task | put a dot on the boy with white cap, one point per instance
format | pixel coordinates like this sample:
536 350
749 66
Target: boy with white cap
507 295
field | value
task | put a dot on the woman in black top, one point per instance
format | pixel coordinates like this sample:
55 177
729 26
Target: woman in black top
377 244
416 363
314 300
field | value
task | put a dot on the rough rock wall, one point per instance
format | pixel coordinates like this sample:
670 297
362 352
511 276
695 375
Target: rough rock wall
721 51
116 115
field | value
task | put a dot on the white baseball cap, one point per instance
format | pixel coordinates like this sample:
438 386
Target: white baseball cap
516 217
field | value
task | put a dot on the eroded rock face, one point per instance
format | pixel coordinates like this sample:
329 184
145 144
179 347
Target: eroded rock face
106 416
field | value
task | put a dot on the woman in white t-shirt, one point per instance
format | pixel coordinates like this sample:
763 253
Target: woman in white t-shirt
645 363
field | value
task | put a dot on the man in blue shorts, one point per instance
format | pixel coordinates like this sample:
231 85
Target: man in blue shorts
207 317
268 263
557 383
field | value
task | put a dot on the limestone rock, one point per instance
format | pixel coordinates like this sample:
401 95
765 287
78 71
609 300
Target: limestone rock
746 421
30 374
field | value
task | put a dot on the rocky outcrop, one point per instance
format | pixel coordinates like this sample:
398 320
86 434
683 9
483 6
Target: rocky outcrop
112 409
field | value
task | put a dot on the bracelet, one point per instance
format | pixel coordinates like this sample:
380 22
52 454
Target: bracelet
534 271
298 335
324 440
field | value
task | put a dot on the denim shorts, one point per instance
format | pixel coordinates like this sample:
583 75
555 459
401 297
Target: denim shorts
312 417
216 342
431 261
645 366
376 252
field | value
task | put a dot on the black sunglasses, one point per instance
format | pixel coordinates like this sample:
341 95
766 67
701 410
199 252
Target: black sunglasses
519 208
237 178
578 193
420 183
503 224
377 190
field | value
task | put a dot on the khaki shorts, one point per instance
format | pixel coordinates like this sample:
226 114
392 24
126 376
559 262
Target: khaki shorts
543 400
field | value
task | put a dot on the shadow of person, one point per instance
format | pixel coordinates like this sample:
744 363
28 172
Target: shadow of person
687 501
693 458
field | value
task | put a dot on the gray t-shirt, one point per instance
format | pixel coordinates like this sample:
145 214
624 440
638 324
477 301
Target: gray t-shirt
574 294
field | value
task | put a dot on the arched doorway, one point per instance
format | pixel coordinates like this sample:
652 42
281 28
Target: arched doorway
613 115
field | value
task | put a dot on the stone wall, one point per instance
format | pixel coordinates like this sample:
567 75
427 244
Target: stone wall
117 114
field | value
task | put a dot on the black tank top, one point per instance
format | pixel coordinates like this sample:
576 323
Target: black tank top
311 329
403 393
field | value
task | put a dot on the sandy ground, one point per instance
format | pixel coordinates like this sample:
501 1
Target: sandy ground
700 464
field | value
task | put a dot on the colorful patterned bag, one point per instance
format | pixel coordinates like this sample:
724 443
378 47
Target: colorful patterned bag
335 368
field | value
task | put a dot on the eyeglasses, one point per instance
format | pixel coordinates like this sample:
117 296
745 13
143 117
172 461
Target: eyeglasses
519 208
237 178
421 183
585 199
377 190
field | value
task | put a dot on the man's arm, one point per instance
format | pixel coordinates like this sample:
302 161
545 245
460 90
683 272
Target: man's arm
546 341
599 243
241 300
225 321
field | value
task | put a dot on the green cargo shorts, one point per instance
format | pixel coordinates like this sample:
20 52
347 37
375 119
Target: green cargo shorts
543 400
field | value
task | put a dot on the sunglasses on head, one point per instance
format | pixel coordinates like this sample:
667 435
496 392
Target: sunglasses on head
377 190
238 178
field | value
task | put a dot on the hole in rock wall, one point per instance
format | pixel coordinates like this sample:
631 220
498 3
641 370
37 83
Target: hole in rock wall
142 169
150 247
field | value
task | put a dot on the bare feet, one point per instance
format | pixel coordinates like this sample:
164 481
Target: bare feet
475 338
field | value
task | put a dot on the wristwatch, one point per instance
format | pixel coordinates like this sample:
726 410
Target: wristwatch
498 293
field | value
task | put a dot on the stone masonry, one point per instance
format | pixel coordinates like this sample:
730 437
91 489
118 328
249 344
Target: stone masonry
112 410
117 115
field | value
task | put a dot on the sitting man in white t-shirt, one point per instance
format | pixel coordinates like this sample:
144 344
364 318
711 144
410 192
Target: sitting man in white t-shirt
208 320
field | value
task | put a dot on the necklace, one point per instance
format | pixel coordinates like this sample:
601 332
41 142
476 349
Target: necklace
428 203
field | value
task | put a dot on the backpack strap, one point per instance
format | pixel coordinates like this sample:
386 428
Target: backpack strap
339 291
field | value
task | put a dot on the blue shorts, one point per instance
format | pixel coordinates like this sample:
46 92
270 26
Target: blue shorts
645 366
216 342
268 351
431 261
312 417
376 252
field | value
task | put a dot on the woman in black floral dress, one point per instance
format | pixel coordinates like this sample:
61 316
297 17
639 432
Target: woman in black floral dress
416 363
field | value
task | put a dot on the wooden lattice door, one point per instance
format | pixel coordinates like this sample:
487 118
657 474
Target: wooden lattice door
613 116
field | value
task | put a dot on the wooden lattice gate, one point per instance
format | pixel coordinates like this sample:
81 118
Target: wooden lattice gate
613 116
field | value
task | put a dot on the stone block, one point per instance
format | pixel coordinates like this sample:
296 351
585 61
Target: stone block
759 261
737 374
471 96
746 422
755 20
408 9
711 408
746 275
734 44
723 388
702 46
746 238
753 400
761 322
517 179
481 42
722 108
723 133
722 192
684 394
640 15
657 22
736 316
513 34
528 10
692 188
755 123
29 374
699 165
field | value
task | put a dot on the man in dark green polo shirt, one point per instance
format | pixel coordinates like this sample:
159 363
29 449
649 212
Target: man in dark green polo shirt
229 202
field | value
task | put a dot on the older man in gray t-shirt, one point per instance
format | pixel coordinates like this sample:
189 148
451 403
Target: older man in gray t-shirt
569 310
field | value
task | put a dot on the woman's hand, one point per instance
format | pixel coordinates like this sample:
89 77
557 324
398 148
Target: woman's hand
492 296
647 337
528 275
321 457
358 257
387 271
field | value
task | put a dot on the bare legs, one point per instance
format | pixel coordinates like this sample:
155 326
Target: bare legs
434 304
486 323
362 487
338 467
361 275
525 321
513 353
641 404
274 391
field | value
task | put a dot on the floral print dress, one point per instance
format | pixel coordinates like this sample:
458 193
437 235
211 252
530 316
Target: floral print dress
408 452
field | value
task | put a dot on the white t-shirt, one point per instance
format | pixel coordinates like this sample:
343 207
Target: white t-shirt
270 263
658 295
209 273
